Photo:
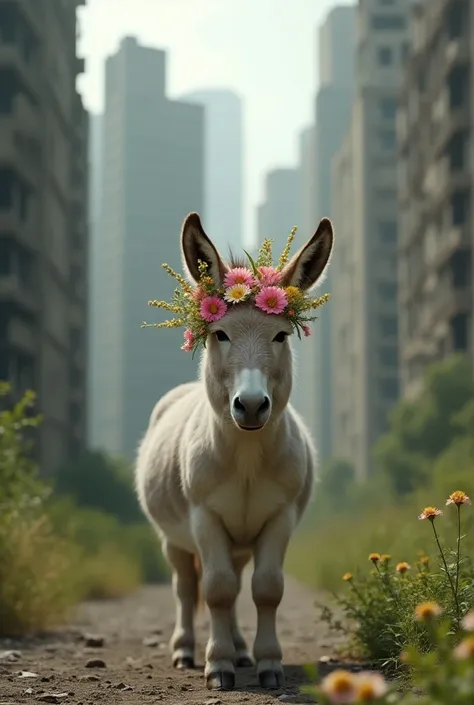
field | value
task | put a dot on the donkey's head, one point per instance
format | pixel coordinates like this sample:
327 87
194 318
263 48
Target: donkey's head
248 363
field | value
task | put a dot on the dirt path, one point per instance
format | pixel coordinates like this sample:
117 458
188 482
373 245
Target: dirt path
137 668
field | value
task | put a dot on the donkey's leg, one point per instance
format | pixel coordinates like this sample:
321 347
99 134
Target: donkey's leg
220 587
185 588
267 591
242 656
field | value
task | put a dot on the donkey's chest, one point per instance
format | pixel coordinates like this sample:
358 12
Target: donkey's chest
245 505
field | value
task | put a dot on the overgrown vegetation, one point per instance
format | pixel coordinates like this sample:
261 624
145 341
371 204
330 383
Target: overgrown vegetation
83 538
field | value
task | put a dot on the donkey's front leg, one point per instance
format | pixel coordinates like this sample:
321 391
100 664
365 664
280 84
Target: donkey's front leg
220 587
267 591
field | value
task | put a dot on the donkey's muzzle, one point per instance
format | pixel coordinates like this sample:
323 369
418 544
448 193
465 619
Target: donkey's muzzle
251 411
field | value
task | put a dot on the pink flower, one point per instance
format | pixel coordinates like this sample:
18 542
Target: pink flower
189 339
271 299
213 308
306 331
239 275
269 276
199 294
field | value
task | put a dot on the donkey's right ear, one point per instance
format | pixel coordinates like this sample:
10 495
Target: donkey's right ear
195 246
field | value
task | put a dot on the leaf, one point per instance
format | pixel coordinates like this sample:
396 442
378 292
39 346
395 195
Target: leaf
252 263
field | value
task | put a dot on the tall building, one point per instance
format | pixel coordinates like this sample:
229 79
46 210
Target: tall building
436 190
336 42
280 209
224 159
153 175
43 221
365 207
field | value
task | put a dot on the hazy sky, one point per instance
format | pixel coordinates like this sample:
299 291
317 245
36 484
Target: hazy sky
263 49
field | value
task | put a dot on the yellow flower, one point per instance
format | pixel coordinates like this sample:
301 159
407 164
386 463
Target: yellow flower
459 497
402 567
339 686
294 295
369 687
236 293
426 611
385 557
374 557
347 577
465 650
468 622
430 513
424 560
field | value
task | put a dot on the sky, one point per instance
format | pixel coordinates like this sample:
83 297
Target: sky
265 50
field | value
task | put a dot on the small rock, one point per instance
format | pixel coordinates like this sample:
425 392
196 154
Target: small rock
96 663
28 691
212 701
89 677
94 641
53 697
27 674
151 641
123 687
10 656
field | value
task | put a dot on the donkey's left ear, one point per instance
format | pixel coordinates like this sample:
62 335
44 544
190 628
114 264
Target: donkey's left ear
307 265
196 246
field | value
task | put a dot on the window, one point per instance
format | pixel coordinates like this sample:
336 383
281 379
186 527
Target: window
460 270
389 389
460 332
384 56
459 208
388 108
6 188
388 325
404 51
388 140
458 87
388 22
387 231
387 291
389 357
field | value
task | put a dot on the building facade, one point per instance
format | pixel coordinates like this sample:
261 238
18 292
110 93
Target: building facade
224 165
43 221
280 209
364 306
436 190
153 176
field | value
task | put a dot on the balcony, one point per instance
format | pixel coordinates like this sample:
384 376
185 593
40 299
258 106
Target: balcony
12 155
25 231
457 238
11 289
11 56
457 119
31 11
22 337
457 53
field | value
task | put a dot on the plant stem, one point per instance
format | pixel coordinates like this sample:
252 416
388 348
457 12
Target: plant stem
458 557
447 570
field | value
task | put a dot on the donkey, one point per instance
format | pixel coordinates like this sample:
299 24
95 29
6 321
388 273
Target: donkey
225 470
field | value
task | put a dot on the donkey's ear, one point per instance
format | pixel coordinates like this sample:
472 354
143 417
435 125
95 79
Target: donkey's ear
195 246
307 265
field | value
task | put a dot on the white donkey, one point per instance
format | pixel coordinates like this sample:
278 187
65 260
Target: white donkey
225 469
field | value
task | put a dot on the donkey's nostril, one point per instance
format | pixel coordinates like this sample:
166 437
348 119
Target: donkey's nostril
238 404
264 406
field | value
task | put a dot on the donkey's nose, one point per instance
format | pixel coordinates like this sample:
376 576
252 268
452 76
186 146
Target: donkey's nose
251 411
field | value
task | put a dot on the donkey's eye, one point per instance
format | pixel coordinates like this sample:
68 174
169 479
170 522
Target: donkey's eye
280 337
221 336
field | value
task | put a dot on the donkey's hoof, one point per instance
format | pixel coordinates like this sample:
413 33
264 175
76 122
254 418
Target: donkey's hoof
244 662
184 662
220 680
271 680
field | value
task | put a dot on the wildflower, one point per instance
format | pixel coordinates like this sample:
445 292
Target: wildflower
424 560
347 577
239 275
459 497
426 611
402 567
269 276
468 622
294 295
236 293
340 687
291 312
385 557
306 331
465 650
213 308
370 686
189 340
430 513
374 557
271 299
199 294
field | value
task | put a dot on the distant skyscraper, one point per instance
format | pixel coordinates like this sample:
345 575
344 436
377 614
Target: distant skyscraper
364 305
336 43
153 175
224 157
280 209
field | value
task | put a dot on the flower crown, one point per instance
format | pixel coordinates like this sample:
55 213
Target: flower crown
260 283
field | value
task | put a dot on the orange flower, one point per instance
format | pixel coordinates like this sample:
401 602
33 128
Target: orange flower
385 557
347 577
402 567
374 557
426 611
459 497
369 687
465 650
424 560
340 687
430 513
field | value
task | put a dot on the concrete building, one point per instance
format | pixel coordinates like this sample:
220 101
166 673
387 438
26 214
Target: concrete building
224 160
437 190
336 42
43 221
365 210
280 209
153 175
